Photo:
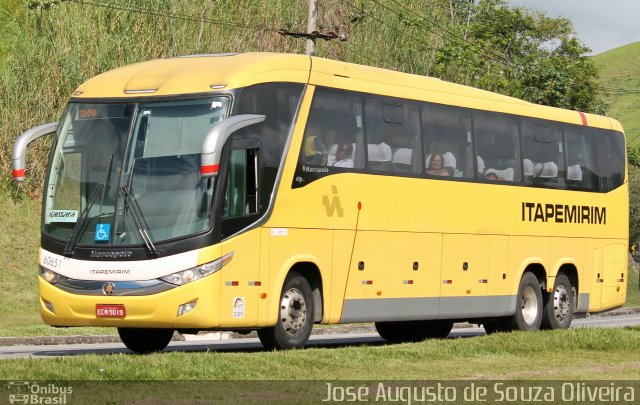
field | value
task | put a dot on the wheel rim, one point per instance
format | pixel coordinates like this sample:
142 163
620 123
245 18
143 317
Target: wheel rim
561 303
529 305
293 311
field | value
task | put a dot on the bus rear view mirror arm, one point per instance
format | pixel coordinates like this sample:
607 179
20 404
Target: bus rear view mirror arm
216 138
19 153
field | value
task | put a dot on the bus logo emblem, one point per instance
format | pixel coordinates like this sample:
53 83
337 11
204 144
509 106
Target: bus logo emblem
334 205
108 288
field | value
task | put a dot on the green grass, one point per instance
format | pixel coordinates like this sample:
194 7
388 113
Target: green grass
633 292
619 69
19 258
19 315
572 354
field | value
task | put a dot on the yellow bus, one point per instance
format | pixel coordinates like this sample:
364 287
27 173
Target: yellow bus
271 192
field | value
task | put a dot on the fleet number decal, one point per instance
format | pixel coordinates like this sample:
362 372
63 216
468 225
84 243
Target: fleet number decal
51 262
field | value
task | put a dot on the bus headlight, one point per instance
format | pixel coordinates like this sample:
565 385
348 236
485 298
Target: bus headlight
51 276
196 273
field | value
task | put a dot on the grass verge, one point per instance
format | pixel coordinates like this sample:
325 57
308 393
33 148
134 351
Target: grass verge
579 354
19 315
633 288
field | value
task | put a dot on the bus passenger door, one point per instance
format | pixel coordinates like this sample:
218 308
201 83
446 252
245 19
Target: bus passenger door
241 279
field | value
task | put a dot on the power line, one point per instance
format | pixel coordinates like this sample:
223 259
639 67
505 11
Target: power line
619 91
469 63
371 59
633 142
458 40
172 16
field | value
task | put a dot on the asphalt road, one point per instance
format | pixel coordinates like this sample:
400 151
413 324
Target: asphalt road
253 344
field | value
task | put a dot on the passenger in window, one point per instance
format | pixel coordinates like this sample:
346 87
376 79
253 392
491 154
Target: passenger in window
492 176
314 150
450 164
344 154
436 166
499 175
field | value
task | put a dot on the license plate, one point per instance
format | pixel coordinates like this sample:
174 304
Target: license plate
110 311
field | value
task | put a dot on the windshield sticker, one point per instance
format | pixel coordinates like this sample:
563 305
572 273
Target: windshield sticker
238 307
61 216
102 232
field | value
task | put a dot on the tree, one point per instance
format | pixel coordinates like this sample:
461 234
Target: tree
523 54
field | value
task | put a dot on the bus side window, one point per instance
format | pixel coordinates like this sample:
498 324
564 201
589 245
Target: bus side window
392 128
241 201
611 159
335 119
581 165
496 137
447 131
542 154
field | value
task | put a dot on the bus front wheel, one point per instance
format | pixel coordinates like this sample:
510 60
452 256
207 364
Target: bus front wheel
559 305
295 316
528 314
145 340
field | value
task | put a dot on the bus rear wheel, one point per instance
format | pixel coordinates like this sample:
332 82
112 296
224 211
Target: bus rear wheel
413 331
295 316
528 314
559 305
145 340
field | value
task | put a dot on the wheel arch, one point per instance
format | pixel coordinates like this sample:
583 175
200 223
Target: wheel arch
571 271
306 266
311 272
538 270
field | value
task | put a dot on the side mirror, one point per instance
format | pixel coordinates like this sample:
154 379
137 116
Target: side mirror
19 153
216 138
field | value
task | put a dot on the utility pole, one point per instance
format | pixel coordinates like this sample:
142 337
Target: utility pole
311 27
312 33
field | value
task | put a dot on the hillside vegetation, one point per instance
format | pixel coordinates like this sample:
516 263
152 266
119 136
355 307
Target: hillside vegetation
619 70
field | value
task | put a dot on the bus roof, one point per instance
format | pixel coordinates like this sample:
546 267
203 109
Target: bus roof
197 74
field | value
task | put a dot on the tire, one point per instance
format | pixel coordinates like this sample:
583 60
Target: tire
439 329
559 305
528 316
295 320
413 331
493 326
145 340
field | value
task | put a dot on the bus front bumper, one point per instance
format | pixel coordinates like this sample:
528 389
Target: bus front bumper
160 310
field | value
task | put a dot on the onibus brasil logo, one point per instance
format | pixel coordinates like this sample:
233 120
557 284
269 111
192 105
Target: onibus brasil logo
25 392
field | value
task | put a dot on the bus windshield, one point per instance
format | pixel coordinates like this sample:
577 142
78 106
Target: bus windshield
123 170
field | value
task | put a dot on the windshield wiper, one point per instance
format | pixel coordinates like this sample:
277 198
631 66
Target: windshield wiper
75 234
138 219
71 244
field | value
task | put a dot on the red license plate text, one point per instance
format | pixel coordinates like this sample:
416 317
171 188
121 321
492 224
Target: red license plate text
110 311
